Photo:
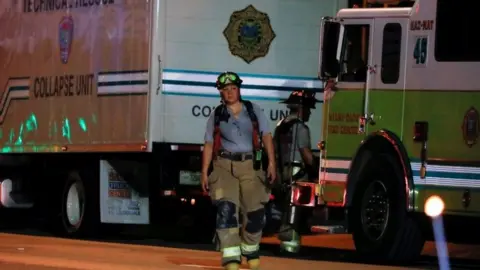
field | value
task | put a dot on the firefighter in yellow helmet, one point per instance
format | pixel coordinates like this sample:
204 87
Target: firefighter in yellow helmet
236 134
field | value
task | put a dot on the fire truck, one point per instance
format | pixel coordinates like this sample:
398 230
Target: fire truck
400 124
104 103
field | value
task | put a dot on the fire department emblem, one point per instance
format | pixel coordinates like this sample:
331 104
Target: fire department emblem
65 37
249 34
471 127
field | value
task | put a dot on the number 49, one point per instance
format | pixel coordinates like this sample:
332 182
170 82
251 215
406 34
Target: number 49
420 51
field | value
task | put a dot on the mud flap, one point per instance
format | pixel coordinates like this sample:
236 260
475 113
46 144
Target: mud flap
120 203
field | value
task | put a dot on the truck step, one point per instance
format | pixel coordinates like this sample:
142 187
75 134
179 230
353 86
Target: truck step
332 229
12 199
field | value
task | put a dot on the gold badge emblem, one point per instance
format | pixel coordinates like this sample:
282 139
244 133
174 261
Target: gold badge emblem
471 127
249 34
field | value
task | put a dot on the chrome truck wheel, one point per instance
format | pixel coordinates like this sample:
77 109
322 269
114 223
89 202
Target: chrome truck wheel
73 204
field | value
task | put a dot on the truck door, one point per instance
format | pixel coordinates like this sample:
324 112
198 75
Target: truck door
384 98
344 106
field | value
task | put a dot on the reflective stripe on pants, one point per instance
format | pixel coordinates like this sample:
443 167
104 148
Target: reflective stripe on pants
249 249
231 254
290 246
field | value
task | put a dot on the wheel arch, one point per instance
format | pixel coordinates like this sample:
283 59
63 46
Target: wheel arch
380 141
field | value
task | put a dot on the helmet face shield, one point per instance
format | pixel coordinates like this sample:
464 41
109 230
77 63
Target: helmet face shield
227 78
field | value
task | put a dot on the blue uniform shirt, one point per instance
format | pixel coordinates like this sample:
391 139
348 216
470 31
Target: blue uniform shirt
236 134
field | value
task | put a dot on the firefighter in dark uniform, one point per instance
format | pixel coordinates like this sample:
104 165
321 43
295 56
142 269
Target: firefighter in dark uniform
295 162
236 133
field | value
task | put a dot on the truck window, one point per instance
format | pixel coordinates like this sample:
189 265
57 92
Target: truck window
456 30
354 55
391 48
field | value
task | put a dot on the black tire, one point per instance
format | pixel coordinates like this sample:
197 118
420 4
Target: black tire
399 238
88 203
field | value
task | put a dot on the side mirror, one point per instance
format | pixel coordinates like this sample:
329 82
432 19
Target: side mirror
329 66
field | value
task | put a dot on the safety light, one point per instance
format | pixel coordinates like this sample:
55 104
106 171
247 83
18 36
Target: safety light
420 131
303 194
169 193
434 206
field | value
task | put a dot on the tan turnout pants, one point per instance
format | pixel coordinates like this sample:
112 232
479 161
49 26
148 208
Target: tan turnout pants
234 185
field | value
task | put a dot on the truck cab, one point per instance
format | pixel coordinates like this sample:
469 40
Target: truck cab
400 122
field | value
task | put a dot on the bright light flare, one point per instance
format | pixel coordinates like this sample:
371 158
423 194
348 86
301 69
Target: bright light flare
434 206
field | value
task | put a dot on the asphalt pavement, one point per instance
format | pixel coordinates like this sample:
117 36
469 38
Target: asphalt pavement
24 246
39 252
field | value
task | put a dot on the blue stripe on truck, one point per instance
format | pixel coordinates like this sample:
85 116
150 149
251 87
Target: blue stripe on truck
245 86
122 72
260 76
217 96
265 76
198 83
139 82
